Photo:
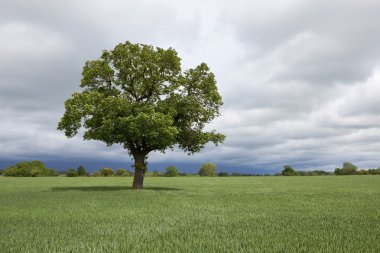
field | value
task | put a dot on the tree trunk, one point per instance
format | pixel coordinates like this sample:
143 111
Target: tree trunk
140 168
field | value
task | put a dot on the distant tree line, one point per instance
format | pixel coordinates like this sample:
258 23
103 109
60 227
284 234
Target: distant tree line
207 169
350 169
38 169
347 169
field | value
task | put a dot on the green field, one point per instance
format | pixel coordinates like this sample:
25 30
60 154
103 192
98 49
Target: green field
191 214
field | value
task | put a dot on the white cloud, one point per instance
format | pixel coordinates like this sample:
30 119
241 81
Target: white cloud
22 40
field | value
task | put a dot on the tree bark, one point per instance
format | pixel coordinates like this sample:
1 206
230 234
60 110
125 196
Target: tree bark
140 168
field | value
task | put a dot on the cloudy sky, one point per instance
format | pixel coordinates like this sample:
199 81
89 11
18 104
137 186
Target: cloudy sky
300 80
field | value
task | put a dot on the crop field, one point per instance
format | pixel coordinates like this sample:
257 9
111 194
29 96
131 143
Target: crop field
191 214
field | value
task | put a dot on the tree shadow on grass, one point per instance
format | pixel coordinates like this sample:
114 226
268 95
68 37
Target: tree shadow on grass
112 188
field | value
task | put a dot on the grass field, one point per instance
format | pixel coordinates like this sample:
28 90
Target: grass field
191 214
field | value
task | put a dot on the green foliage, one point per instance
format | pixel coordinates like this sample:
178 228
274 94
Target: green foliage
15 171
97 174
1 172
374 171
156 173
105 172
223 174
239 174
288 171
122 173
81 171
51 173
368 172
314 173
29 169
347 169
207 169
362 172
171 171
138 96
191 214
71 173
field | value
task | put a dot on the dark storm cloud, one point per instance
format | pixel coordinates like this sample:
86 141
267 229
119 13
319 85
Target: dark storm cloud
300 79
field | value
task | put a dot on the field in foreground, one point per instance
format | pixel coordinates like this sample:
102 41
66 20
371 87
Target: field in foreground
235 214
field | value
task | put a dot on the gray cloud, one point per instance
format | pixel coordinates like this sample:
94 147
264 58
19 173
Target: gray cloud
319 42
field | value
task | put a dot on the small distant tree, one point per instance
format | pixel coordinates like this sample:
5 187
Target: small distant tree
156 173
71 173
363 172
347 169
374 171
50 173
1 172
288 171
223 174
81 171
207 169
97 174
171 171
120 173
106 172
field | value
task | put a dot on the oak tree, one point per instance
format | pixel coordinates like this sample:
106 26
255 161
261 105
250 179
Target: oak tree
137 95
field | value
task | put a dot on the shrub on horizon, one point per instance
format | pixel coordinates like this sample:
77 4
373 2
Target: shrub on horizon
106 172
50 173
96 174
374 171
71 173
81 171
223 174
347 169
288 171
156 173
207 169
29 169
363 172
122 173
171 171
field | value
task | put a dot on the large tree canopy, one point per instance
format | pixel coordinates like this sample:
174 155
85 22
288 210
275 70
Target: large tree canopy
138 96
